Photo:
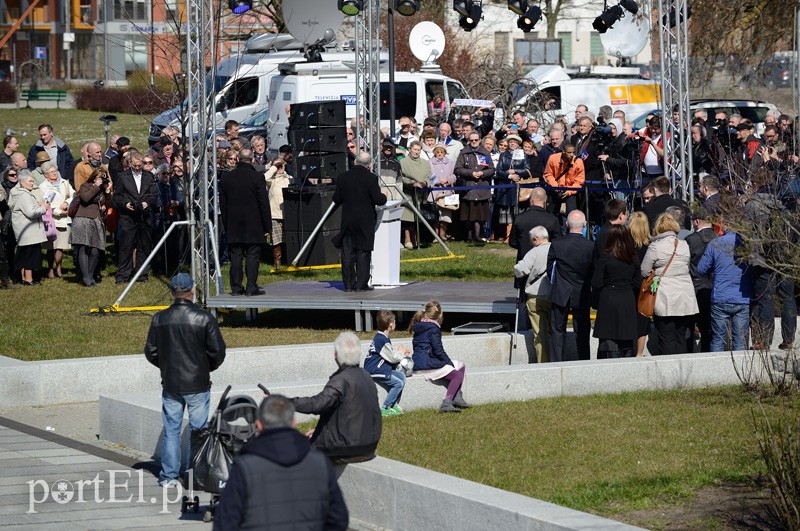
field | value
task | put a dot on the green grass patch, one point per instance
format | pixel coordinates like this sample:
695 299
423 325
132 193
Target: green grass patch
602 454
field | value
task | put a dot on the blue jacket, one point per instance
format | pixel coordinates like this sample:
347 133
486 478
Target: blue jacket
508 196
374 363
732 280
428 349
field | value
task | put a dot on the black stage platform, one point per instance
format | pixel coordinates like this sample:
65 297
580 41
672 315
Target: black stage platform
459 297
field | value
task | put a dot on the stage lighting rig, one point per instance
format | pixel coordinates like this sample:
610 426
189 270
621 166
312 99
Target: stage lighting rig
610 15
531 17
470 21
406 7
351 8
240 6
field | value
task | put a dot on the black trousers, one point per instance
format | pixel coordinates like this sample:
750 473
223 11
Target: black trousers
703 321
3 260
134 234
355 266
250 253
762 306
672 333
558 332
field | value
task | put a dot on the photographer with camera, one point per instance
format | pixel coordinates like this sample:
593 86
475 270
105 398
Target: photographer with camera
618 159
590 142
88 233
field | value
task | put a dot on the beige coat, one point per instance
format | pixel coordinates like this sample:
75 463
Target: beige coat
276 182
64 194
675 295
26 217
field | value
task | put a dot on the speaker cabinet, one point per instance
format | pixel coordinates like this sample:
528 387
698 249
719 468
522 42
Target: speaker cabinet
326 139
319 166
321 251
304 207
317 114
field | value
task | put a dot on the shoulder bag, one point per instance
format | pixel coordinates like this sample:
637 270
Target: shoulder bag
646 303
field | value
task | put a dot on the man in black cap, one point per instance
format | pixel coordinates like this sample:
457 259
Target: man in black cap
115 166
185 343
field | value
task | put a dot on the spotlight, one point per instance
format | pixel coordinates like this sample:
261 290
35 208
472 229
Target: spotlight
462 7
406 7
518 7
629 6
470 22
350 8
607 19
531 17
240 6
671 16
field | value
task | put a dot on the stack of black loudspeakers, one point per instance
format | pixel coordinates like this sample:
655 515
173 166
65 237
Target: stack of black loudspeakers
318 138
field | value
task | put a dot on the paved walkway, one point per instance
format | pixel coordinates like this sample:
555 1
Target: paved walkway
50 482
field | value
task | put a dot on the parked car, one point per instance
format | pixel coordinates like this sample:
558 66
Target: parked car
775 72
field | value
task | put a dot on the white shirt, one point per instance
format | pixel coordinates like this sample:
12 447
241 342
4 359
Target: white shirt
651 165
137 178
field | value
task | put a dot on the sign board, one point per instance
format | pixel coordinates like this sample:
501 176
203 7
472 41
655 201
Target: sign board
40 52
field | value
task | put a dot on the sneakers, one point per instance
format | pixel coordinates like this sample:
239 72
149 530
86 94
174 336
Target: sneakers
388 412
448 407
168 483
397 409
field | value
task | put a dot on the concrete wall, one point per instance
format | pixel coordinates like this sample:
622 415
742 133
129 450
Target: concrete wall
39 383
387 494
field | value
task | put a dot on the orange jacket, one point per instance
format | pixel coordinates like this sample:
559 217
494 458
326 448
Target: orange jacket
573 177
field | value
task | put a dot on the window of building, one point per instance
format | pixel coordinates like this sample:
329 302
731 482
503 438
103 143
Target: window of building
130 10
596 50
566 46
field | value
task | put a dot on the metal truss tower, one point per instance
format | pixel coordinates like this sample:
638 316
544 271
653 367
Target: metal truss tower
200 178
368 77
673 16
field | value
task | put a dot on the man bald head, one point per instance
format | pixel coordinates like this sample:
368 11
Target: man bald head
19 161
539 197
576 220
94 151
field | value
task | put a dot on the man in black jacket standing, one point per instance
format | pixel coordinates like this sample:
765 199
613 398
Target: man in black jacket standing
533 217
358 193
698 241
134 198
349 426
279 480
185 343
569 264
244 205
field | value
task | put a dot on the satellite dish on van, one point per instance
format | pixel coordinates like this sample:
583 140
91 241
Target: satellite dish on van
627 37
426 41
312 21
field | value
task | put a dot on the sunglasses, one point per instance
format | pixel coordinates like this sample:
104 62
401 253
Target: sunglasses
147 162
12 175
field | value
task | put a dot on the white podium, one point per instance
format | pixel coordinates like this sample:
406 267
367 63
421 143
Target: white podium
386 252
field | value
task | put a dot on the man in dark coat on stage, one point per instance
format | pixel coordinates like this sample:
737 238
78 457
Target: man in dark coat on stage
569 264
244 205
358 193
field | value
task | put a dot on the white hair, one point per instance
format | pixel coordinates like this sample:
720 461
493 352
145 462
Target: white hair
576 219
363 159
347 349
539 232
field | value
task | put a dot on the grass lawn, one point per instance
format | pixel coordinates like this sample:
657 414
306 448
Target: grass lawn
74 127
603 454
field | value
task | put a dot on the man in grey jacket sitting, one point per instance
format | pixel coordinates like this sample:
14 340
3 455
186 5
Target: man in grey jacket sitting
537 288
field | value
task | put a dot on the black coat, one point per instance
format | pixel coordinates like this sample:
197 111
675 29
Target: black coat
533 217
660 204
589 153
349 415
280 481
184 341
244 205
358 193
571 255
617 284
125 192
698 241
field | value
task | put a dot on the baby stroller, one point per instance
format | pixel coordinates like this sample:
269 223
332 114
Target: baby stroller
214 447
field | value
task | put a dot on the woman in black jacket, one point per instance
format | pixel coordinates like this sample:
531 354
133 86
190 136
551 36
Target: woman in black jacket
617 279
431 361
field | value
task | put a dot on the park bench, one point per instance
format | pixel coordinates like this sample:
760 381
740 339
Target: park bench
43 95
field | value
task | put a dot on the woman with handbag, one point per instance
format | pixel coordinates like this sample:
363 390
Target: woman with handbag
26 219
62 193
667 259
447 201
416 175
616 278
512 167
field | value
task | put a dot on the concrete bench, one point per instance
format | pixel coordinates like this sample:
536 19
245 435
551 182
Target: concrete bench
43 95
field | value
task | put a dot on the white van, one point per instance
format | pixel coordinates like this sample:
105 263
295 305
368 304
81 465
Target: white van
559 91
243 81
308 82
